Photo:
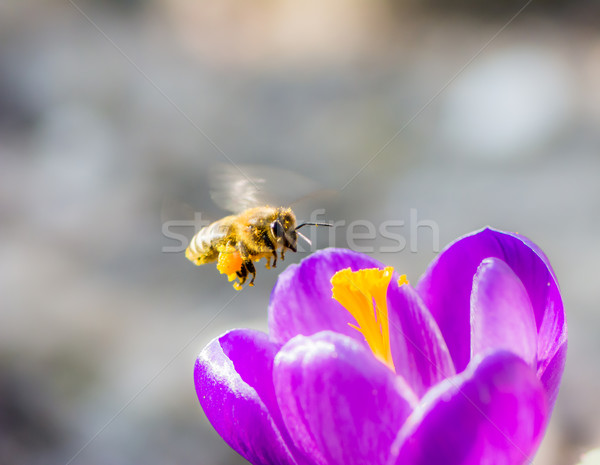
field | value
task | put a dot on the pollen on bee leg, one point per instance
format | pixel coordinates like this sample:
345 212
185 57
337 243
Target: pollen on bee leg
229 262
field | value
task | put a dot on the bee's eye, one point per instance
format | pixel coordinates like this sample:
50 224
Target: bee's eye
277 229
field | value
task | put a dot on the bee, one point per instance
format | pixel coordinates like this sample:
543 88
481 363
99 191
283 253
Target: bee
237 241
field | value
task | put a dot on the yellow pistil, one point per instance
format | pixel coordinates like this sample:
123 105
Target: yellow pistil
229 262
358 291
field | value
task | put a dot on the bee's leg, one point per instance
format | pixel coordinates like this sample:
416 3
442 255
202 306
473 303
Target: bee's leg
283 253
250 269
268 245
242 274
274 265
273 256
244 253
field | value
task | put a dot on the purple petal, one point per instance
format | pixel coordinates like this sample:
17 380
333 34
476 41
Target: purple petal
338 401
418 349
553 327
446 290
301 301
501 313
495 412
551 376
233 376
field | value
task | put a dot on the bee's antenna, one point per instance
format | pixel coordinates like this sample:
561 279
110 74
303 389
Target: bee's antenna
308 241
312 224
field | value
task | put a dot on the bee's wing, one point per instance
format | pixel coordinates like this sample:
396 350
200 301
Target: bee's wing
239 187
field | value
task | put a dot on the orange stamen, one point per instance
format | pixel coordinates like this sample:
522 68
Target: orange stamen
360 291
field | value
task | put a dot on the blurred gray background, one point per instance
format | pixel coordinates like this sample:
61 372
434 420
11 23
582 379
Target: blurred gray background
109 108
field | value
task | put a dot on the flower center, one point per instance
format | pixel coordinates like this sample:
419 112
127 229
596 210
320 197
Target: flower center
363 294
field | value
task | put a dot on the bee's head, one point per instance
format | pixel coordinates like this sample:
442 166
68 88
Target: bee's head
284 230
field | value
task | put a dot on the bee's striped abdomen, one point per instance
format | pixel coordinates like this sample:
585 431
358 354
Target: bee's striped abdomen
204 246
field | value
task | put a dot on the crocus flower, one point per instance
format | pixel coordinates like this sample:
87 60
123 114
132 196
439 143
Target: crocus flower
359 367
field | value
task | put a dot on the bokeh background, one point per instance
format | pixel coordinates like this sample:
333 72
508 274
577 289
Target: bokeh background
107 108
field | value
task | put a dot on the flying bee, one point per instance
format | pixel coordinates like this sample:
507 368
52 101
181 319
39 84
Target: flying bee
235 242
